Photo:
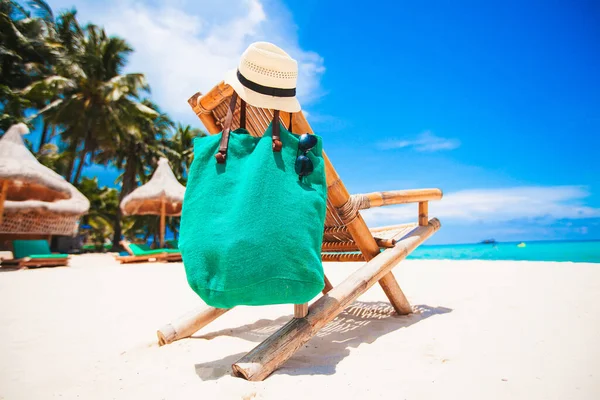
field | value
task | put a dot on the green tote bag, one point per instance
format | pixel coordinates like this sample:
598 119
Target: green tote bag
251 225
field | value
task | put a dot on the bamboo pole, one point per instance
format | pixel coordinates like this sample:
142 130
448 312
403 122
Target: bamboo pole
188 324
342 257
423 213
300 310
196 319
162 221
279 347
377 199
328 285
338 195
3 192
351 246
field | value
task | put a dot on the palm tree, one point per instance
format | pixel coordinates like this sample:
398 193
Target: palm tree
181 150
26 55
103 205
95 102
139 148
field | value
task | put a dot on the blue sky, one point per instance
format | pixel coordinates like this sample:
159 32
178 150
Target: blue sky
497 103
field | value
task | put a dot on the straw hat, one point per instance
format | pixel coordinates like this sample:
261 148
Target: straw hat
266 77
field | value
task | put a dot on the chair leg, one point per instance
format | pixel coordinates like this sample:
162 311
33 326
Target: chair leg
188 324
300 310
392 290
281 345
328 285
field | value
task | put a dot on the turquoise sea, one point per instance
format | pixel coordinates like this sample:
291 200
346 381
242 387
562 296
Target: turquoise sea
576 251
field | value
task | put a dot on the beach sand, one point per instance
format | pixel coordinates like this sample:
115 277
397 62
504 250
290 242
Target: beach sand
482 330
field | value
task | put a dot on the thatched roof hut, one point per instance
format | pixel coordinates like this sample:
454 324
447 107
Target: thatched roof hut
26 178
35 199
161 195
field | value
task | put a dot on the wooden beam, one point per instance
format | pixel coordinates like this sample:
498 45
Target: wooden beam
196 319
342 257
351 246
188 324
134 259
392 289
279 347
3 191
377 199
328 285
162 222
300 310
338 196
423 213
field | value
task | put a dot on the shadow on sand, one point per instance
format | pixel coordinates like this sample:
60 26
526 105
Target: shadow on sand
362 322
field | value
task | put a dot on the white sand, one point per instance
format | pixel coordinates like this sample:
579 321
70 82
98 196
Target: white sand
485 330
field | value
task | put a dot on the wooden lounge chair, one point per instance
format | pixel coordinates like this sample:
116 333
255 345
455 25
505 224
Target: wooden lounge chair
34 253
172 244
143 253
346 238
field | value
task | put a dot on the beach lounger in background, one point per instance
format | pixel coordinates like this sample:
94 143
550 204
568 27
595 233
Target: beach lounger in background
34 253
169 253
143 253
346 238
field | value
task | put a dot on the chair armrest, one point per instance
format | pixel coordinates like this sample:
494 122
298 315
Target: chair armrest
377 199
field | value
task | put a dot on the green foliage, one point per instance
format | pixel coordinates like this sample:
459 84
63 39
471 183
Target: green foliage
181 150
104 203
51 156
26 56
69 79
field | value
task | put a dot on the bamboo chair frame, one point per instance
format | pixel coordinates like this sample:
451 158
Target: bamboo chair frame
346 238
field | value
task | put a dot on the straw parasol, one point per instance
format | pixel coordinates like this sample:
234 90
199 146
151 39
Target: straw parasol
161 195
33 198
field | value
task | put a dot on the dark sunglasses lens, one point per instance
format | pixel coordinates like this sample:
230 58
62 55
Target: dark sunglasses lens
307 142
304 166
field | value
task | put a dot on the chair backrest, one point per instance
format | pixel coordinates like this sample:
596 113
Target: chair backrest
26 248
173 243
138 249
343 221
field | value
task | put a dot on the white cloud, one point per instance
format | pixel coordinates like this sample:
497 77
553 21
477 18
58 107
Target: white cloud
537 204
184 46
425 142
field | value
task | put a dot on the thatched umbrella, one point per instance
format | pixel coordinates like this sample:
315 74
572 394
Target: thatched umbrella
161 195
33 198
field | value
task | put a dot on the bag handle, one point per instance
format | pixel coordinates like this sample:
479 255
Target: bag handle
243 114
222 154
224 143
277 145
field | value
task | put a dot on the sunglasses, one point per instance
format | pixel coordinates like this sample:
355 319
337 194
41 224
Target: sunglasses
304 165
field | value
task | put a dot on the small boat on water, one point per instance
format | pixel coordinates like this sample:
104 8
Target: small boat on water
522 244
489 241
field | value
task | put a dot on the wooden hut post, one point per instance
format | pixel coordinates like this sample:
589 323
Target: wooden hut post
162 221
3 190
